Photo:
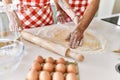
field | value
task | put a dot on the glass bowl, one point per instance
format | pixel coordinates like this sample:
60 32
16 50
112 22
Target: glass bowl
11 50
11 53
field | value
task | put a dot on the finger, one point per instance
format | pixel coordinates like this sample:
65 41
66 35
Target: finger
11 27
68 37
63 19
73 41
81 42
60 20
77 44
15 27
20 28
59 17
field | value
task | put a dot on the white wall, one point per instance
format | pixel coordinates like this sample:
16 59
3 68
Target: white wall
106 7
116 8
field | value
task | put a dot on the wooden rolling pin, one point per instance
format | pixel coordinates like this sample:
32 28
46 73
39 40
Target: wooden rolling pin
59 49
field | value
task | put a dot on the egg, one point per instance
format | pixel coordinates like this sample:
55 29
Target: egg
39 59
72 68
61 60
36 66
71 76
58 76
48 67
49 60
32 75
44 75
60 68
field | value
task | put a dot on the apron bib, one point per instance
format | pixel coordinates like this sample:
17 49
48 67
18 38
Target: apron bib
35 13
78 6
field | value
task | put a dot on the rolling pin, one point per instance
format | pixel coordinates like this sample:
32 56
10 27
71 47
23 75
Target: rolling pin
59 49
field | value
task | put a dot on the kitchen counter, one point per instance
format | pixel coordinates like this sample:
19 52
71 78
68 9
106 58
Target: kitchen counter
97 66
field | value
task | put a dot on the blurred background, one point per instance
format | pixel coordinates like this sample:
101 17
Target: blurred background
106 8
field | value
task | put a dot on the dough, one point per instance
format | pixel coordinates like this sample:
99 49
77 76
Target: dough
92 42
58 35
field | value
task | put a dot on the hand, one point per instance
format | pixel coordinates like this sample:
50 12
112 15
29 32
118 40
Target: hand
76 19
14 22
61 16
75 38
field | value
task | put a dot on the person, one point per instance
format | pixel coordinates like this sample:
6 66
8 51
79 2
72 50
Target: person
81 12
32 13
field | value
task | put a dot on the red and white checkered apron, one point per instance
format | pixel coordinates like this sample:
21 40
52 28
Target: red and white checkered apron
35 13
78 6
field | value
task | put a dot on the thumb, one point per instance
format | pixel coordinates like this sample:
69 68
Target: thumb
68 37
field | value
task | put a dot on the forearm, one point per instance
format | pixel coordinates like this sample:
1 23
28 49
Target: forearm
7 1
65 7
57 5
14 22
88 15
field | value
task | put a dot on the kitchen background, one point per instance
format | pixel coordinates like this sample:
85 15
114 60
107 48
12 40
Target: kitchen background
106 8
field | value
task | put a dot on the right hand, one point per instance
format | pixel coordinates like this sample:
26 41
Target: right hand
75 38
61 16
14 22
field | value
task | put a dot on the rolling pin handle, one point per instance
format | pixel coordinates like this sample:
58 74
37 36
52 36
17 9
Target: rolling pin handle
76 56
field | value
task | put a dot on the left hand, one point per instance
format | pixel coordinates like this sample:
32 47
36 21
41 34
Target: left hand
61 16
14 22
75 38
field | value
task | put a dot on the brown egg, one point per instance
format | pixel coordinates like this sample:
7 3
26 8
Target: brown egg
60 68
48 67
39 59
49 60
58 76
44 75
72 68
36 66
32 75
71 76
61 60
